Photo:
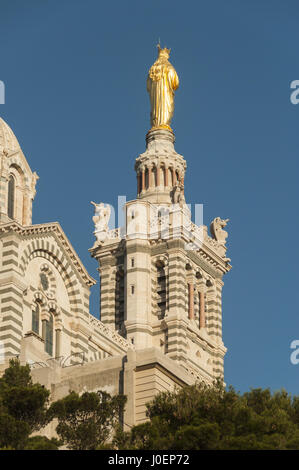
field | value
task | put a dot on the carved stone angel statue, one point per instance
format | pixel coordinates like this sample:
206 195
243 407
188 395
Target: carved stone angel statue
101 219
217 231
178 193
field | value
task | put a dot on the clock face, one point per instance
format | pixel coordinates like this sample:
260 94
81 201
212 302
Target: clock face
44 281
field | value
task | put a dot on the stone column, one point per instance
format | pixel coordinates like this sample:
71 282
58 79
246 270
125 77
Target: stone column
45 316
191 300
57 341
138 182
166 176
173 176
149 177
25 209
142 179
44 324
202 315
158 175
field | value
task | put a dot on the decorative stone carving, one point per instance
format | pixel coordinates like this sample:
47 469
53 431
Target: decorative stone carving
177 195
101 219
217 231
35 177
178 192
47 282
109 333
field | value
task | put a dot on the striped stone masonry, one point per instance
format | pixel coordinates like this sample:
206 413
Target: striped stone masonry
161 279
172 294
11 325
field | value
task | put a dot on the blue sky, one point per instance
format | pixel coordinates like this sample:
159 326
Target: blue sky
75 74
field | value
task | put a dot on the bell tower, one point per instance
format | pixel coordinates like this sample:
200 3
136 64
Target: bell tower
160 169
161 274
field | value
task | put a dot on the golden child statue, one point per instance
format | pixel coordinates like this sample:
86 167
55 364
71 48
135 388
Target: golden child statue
162 81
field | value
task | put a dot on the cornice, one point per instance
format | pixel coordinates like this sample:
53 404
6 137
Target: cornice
51 228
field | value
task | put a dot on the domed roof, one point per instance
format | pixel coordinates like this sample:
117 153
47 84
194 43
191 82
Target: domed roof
8 140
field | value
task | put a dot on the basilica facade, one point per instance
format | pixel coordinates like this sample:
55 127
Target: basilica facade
161 285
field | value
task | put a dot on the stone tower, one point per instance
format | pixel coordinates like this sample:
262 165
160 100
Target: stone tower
161 275
161 278
17 182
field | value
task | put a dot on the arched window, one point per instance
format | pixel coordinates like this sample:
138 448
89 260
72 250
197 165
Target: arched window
35 319
161 291
155 176
139 182
11 197
119 298
49 336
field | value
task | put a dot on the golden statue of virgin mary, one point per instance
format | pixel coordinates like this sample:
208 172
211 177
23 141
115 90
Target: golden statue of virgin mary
162 81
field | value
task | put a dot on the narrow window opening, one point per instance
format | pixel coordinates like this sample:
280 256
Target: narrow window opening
119 299
35 320
49 336
11 197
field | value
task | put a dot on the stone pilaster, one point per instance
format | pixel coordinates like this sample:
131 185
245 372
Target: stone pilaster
11 324
177 279
191 300
12 290
107 294
137 293
202 310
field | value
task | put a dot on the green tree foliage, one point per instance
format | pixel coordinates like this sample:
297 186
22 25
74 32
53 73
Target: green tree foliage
13 433
202 417
42 443
196 417
86 422
23 406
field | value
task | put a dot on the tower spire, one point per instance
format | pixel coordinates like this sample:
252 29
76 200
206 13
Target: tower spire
160 169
